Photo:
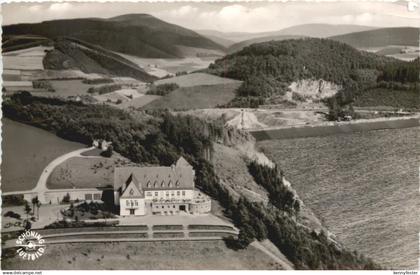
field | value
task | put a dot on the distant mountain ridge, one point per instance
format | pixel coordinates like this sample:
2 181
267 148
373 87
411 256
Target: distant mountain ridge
141 35
404 36
353 35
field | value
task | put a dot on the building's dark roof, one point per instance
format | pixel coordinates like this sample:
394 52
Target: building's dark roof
180 176
137 188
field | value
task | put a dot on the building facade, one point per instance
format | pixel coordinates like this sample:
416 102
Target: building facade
158 190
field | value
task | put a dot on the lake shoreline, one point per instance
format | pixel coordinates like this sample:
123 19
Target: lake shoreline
333 128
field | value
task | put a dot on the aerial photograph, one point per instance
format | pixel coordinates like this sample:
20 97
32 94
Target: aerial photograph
210 136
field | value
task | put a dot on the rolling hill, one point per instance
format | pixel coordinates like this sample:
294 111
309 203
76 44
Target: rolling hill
242 39
404 36
137 34
269 69
70 53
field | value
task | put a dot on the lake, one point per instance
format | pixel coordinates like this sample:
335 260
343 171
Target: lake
26 150
364 186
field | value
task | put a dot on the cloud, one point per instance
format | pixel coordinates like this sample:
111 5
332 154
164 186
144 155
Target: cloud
60 7
244 16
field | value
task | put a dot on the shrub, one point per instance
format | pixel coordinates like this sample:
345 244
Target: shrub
162 89
12 215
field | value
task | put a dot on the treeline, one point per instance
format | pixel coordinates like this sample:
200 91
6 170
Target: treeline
159 138
272 180
162 89
408 72
104 89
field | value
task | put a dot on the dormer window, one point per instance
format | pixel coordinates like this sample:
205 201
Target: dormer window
155 184
162 184
132 192
177 183
148 184
170 184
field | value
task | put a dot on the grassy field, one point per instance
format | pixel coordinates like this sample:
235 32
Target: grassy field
138 102
80 172
210 255
67 88
197 97
196 79
26 152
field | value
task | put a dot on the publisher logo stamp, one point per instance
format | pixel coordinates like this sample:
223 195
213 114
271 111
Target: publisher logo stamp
31 245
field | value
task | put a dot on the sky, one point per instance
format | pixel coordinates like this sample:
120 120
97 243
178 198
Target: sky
226 16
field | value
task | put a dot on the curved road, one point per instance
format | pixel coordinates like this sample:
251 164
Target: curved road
41 186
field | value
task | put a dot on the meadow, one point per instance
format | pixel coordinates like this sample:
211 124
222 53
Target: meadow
26 152
80 172
203 255
364 186
197 97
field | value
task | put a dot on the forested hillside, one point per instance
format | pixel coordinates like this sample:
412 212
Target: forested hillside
160 138
268 68
70 53
136 34
405 36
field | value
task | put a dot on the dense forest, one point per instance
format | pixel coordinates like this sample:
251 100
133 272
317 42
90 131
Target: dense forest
160 138
268 68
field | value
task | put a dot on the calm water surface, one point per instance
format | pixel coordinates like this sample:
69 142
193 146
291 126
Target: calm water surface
364 186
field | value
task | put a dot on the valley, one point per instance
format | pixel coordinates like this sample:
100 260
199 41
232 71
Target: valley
303 140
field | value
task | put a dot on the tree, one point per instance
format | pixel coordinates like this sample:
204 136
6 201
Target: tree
38 205
66 198
35 202
27 209
108 152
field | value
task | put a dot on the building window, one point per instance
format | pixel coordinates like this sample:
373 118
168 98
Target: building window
132 211
149 194
88 197
178 193
136 202
172 193
156 193
96 197
167 193
183 193
127 202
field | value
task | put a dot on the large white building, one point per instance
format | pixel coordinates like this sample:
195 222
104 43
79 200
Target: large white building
158 190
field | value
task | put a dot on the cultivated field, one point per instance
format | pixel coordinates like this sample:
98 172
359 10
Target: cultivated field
26 59
161 67
197 97
85 172
67 88
197 79
26 152
209 255
138 102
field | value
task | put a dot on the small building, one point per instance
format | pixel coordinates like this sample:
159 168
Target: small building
158 190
